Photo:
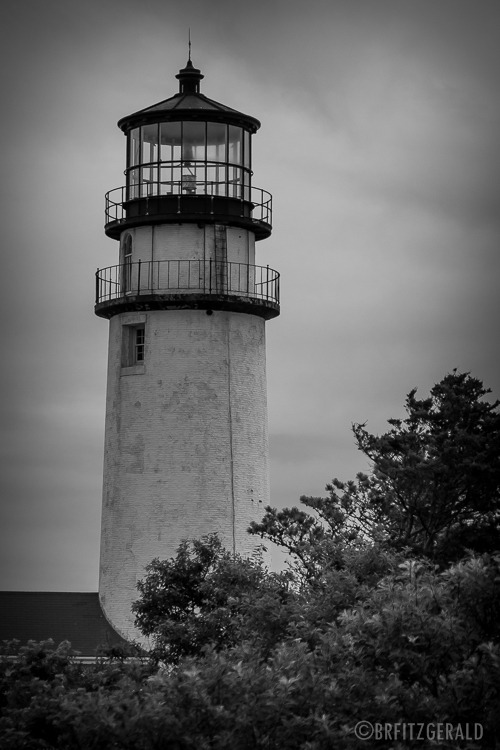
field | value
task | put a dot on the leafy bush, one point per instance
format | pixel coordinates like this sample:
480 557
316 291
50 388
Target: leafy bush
383 617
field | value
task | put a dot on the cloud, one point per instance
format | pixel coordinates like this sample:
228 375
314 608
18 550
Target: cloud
379 142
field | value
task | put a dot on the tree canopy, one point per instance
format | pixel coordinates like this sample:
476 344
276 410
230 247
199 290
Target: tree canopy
434 489
206 596
389 615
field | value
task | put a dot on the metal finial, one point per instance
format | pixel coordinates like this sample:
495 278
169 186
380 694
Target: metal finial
189 36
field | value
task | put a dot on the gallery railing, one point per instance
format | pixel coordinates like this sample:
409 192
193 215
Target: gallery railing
176 197
181 277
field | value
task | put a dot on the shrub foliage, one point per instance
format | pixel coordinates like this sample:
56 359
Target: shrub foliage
389 614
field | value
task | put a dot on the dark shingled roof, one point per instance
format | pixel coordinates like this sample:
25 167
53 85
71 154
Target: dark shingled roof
62 616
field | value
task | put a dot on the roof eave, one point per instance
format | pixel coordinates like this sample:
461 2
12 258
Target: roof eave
219 113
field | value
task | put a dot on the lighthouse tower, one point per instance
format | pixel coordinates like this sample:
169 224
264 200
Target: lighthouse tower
186 443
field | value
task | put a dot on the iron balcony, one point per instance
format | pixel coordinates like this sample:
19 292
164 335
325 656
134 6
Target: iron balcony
183 201
182 284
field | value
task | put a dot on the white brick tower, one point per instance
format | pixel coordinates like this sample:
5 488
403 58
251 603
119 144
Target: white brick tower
186 444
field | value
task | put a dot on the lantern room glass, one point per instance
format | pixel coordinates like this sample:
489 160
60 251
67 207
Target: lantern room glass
189 157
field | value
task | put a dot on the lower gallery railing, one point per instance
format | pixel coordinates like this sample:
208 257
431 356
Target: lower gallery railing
187 277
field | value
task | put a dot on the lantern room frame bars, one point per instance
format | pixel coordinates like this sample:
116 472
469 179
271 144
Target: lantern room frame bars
197 157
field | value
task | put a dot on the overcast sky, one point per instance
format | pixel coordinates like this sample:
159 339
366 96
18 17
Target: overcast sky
380 144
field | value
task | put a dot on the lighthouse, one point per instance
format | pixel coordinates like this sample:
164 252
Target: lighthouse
186 439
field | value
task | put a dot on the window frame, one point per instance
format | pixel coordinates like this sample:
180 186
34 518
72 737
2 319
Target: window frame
133 347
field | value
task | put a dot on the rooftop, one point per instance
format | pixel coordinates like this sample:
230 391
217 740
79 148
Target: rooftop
188 104
61 616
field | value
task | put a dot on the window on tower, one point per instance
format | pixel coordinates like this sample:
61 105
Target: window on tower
126 263
139 344
133 345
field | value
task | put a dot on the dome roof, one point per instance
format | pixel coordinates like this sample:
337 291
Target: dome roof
189 104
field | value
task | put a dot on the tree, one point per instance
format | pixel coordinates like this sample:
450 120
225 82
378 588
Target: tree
206 596
421 646
434 488
365 627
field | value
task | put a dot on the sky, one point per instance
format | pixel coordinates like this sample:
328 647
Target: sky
379 143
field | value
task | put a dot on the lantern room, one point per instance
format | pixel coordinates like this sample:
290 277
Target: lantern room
189 159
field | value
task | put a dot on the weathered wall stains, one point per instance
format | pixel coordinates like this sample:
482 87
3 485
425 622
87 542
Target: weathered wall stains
186 447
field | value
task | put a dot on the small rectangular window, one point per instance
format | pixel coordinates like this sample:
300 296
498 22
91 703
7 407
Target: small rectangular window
139 344
246 149
216 141
134 148
170 141
193 141
149 143
234 143
133 345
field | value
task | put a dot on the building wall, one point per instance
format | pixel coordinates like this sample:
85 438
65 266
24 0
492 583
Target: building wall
189 242
186 445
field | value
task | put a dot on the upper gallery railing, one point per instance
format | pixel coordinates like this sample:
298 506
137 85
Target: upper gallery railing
255 202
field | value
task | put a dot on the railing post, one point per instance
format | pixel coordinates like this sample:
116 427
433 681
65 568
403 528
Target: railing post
267 282
97 286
